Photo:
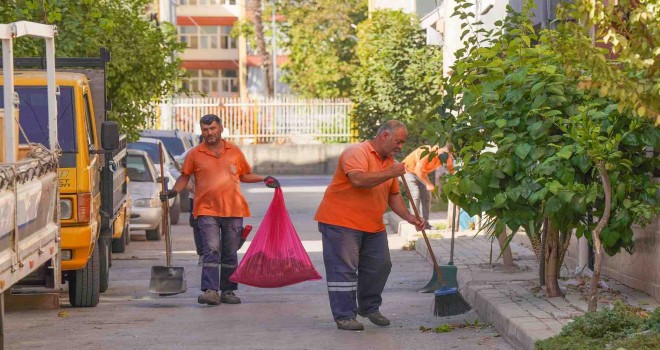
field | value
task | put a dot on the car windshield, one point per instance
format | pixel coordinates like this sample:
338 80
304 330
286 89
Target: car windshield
33 116
138 169
173 144
150 148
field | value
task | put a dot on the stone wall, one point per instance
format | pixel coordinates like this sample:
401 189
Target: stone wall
269 159
641 270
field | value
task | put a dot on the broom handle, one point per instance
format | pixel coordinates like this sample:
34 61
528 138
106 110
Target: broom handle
453 230
166 208
426 239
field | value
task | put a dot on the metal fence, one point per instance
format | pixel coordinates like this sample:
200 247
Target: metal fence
267 120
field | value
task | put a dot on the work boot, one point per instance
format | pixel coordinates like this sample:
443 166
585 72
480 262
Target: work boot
350 324
228 297
376 318
209 297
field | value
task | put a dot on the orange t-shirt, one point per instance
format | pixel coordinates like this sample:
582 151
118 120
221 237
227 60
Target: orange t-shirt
413 159
360 209
217 182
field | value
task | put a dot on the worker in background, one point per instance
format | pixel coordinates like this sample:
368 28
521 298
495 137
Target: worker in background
419 167
350 216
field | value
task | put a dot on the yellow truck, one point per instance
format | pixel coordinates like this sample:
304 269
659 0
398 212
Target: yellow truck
93 208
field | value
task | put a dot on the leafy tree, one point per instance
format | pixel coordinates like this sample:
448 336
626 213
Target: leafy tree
143 70
321 43
256 9
397 77
535 145
623 64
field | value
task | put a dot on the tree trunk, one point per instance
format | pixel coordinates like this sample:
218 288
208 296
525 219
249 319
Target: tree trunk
552 251
505 251
266 61
598 249
544 234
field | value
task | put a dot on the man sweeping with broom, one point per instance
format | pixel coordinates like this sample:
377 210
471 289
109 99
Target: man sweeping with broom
350 216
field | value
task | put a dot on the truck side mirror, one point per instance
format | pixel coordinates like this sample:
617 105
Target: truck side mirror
109 136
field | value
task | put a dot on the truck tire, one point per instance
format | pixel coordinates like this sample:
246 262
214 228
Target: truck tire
105 261
185 201
127 233
84 286
175 211
119 244
155 234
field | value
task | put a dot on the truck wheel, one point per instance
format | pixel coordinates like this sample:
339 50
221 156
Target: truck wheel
119 244
175 211
155 234
185 201
127 234
105 261
84 285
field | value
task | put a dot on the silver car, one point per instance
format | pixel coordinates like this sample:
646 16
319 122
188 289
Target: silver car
151 146
144 187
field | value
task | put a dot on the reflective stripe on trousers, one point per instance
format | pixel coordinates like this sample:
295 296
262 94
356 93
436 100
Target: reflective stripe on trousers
220 238
357 265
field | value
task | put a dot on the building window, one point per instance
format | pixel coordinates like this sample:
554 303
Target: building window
207 2
211 81
207 37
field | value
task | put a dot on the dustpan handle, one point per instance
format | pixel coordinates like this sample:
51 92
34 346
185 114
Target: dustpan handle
426 239
166 210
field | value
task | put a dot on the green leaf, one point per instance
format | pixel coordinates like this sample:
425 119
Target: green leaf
553 205
500 123
500 199
565 152
522 150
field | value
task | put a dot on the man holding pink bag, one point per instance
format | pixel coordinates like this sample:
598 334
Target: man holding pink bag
219 167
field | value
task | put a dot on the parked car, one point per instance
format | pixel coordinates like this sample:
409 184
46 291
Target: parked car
192 138
150 146
176 142
144 187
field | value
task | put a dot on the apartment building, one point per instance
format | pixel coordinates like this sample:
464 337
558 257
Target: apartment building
212 58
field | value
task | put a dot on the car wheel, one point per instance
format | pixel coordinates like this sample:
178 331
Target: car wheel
155 234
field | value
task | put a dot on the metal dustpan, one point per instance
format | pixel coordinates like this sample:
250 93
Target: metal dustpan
167 280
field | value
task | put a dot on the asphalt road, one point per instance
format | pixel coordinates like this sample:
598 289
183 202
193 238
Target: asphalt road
294 317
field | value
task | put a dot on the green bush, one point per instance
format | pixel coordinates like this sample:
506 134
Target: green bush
619 327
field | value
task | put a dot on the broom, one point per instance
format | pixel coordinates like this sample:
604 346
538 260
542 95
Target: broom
448 301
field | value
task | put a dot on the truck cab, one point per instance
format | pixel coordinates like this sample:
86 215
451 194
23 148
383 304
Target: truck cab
92 174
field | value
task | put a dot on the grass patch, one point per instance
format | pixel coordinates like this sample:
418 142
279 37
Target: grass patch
410 245
619 327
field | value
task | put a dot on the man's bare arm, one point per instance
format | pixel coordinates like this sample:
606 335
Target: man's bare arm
251 178
181 183
363 179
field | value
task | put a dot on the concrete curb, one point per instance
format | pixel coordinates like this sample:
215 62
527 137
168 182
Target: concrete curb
510 301
516 325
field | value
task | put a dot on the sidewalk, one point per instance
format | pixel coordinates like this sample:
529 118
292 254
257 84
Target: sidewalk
512 301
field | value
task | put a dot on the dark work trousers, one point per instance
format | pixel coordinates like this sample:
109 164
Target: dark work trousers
357 265
420 195
197 236
221 237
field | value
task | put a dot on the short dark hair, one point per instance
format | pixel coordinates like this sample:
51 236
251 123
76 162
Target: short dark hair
209 119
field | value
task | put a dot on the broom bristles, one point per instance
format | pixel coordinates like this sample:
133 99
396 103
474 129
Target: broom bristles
449 302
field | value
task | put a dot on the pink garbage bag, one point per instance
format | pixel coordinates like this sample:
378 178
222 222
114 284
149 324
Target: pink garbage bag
276 257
